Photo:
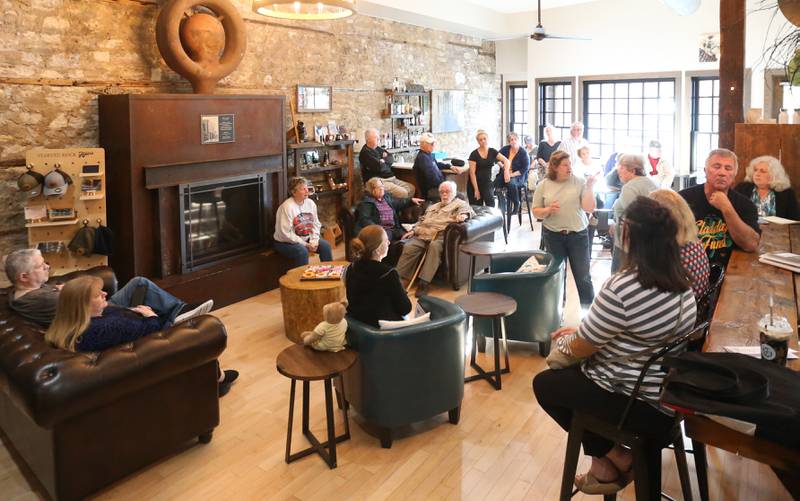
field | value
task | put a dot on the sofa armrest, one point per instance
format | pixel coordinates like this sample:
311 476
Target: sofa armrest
110 285
51 384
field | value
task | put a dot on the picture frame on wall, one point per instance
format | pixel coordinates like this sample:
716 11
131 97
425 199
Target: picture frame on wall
314 98
447 110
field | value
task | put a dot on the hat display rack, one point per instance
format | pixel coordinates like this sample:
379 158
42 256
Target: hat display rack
65 189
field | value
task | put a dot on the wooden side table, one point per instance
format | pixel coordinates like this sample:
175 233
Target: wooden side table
306 364
497 306
475 249
302 301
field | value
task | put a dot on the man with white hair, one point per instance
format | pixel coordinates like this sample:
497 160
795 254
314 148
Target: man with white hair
725 218
377 162
574 142
428 234
428 171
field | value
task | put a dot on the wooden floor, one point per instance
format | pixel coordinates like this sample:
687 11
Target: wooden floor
505 446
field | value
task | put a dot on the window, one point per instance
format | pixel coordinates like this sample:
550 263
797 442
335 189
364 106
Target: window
705 119
518 110
555 108
627 114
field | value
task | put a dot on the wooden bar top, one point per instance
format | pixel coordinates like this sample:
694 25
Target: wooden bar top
746 290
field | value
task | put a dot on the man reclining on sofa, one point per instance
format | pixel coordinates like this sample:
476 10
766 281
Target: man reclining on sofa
35 300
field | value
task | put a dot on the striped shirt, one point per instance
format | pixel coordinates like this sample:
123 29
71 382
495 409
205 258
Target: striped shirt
627 320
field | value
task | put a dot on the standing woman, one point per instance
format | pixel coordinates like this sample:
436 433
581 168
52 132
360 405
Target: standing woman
520 163
562 200
480 190
767 186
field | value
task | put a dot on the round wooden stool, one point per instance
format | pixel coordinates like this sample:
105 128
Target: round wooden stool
302 300
497 307
306 364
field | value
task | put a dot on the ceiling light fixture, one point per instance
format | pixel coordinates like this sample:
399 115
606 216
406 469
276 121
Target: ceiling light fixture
306 10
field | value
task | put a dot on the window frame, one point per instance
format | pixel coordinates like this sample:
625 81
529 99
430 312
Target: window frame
509 122
694 84
541 83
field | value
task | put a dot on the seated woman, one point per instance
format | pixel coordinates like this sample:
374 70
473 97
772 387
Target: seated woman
649 303
520 163
374 291
768 187
693 257
84 320
378 207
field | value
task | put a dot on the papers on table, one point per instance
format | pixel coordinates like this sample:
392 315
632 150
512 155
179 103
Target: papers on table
786 260
778 220
754 351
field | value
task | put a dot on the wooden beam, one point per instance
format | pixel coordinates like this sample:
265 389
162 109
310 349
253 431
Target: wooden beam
731 69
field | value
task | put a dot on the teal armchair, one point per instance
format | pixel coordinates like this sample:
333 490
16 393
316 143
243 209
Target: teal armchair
539 297
407 375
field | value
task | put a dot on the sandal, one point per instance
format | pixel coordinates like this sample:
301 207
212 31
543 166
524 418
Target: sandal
588 484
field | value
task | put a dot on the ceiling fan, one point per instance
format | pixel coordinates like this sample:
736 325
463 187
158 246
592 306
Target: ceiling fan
539 33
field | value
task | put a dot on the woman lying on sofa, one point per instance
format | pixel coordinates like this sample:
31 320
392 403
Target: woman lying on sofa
85 321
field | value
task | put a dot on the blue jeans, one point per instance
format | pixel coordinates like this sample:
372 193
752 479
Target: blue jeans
162 302
298 253
572 246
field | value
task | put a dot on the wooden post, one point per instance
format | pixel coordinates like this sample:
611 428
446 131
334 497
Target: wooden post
731 69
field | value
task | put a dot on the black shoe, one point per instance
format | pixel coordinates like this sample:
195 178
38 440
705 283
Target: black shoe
225 385
422 288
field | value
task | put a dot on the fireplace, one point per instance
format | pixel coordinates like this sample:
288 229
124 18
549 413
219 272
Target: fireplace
222 220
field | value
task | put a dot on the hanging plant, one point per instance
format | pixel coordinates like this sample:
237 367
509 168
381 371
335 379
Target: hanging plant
784 51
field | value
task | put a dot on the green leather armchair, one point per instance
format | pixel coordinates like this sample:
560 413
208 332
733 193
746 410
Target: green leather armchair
539 297
409 374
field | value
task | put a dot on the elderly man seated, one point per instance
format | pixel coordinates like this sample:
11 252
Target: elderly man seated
427 235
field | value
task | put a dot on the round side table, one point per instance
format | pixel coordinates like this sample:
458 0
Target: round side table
302 300
475 249
302 363
497 307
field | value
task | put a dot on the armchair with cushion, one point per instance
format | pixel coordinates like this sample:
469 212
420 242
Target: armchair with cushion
538 295
80 421
409 374
455 264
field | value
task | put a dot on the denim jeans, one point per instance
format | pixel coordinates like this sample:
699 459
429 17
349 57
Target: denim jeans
573 247
162 302
298 253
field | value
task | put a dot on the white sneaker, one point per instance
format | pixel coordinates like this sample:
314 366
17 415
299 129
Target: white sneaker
200 310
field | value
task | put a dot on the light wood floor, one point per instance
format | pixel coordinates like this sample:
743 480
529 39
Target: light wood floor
505 446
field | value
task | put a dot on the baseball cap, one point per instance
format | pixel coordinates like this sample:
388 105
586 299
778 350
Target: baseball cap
30 182
655 143
56 182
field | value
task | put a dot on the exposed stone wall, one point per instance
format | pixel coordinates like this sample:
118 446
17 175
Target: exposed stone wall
58 55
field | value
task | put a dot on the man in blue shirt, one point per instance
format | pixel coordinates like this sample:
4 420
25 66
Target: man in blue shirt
427 171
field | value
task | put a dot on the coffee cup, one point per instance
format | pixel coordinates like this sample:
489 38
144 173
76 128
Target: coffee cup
774 334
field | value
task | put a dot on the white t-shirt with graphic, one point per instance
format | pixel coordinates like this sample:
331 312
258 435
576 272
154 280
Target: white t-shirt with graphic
297 223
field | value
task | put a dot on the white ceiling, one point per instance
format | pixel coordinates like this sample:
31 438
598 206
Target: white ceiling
517 6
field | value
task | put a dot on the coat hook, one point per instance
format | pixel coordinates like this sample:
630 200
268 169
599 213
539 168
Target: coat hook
85 222
99 221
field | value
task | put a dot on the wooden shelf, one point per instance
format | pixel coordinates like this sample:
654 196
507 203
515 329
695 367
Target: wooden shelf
337 191
391 92
99 196
94 174
321 169
312 145
52 223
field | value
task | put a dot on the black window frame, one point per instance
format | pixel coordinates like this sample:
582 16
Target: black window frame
543 112
694 131
644 136
512 110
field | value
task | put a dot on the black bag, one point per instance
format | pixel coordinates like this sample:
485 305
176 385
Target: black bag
740 387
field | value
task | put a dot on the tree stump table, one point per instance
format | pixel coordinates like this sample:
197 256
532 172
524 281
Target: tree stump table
302 300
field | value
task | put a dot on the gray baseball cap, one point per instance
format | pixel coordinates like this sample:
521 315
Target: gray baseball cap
56 182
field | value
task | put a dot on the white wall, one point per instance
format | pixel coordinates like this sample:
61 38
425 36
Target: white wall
635 37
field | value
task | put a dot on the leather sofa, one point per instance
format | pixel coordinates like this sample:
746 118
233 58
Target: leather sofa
454 269
539 297
406 375
80 421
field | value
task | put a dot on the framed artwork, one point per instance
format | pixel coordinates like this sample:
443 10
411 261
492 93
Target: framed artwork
447 111
708 48
314 98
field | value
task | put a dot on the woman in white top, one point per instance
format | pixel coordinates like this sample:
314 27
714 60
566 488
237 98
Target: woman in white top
297 227
645 306
562 200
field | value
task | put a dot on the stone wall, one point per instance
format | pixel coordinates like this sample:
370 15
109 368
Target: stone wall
59 55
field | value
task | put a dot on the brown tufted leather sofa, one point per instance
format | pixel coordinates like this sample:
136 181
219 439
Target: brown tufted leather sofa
79 421
455 264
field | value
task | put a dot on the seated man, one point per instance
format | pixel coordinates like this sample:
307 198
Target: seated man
725 218
428 171
35 300
297 227
428 233
377 162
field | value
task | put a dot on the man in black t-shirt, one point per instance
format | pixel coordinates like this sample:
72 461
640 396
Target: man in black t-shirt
724 217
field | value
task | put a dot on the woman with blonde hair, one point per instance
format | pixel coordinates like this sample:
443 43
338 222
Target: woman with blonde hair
693 257
85 322
768 187
480 190
374 290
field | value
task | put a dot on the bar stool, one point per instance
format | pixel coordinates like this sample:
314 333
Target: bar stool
305 364
497 307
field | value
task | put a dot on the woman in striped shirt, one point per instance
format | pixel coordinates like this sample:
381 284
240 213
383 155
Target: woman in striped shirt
645 306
